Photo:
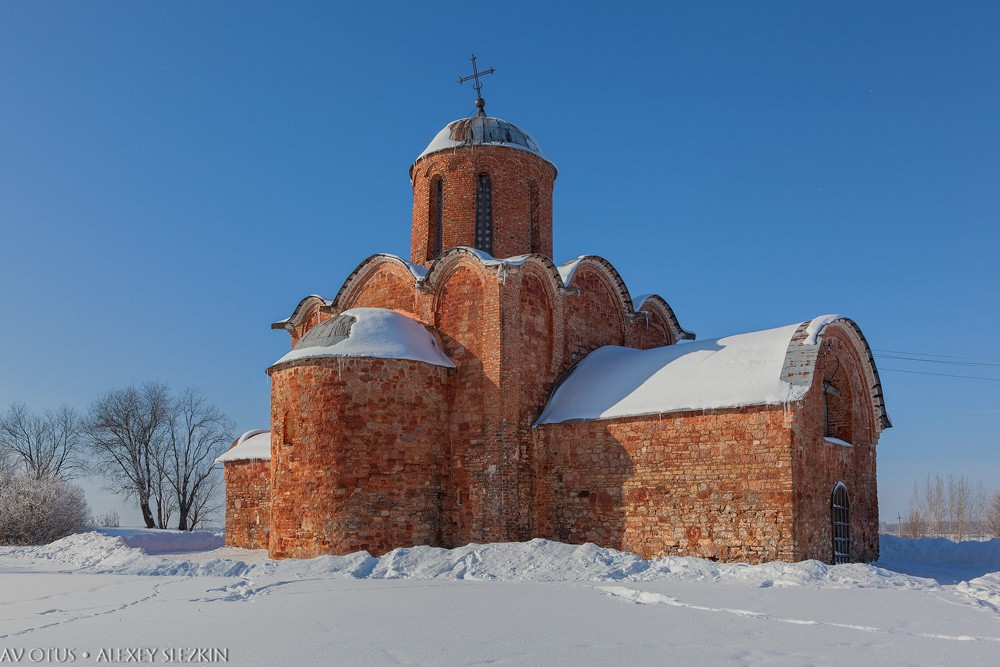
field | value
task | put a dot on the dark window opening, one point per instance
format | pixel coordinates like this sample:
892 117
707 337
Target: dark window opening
534 233
436 222
840 509
484 214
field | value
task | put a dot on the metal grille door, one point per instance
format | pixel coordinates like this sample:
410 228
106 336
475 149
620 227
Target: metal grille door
841 518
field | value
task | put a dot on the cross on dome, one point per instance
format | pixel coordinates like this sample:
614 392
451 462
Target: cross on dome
480 102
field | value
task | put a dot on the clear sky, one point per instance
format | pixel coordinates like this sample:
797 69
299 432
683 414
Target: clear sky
175 176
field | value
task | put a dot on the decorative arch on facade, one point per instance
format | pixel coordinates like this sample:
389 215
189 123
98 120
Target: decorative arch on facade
595 313
803 366
307 314
438 271
571 269
657 307
398 293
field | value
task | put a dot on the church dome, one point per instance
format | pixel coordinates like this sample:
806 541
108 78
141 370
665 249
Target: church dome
482 131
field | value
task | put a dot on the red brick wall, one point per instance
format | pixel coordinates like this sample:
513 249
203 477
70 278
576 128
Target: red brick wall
650 331
595 317
513 172
248 503
390 286
356 456
715 484
818 464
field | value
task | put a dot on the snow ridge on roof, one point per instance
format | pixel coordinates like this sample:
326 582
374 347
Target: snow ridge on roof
728 372
369 332
252 446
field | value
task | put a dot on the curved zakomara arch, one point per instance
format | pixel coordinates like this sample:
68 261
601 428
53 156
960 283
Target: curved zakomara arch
652 302
802 353
369 269
440 269
305 316
656 303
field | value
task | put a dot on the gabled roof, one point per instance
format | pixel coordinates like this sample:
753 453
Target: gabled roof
769 367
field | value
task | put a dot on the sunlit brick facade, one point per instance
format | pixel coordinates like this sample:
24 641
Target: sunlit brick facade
372 454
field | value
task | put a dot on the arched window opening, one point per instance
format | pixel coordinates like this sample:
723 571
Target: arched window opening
484 214
840 511
534 233
838 420
436 221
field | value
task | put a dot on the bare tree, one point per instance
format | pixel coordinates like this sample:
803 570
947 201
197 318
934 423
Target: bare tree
109 519
208 503
959 505
6 460
935 503
46 445
993 514
916 522
128 432
199 432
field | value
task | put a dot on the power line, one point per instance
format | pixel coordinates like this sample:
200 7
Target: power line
978 364
940 356
946 375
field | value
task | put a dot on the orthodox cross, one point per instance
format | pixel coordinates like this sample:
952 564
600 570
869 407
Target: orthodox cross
480 102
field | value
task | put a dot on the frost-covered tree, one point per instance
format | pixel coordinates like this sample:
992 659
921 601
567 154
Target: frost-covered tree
198 433
43 445
128 432
38 511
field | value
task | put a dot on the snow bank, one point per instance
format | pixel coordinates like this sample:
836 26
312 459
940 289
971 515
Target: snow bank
535 561
369 332
727 372
154 541
938 550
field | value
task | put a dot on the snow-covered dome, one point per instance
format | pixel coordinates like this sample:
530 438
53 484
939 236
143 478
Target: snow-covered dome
369 332
482 131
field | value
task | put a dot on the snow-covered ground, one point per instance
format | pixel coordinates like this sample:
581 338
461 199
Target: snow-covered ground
94 597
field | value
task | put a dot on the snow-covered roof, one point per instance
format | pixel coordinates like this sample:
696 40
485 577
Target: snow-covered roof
252 446
733 371
369 332
482 131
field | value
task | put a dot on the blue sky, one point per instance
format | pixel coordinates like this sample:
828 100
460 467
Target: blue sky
176 176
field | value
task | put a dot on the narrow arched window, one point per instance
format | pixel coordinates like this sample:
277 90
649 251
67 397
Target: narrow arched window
534 232
435 222
840 519
484 213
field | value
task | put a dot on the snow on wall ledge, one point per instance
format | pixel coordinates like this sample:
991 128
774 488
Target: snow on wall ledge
252 446
728 372
369 332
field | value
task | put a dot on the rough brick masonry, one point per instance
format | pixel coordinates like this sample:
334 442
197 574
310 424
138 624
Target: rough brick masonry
380 453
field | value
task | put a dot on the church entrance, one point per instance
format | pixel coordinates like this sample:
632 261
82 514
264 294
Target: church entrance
840 510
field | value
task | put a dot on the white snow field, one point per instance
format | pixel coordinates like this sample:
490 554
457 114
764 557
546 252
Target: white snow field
93 598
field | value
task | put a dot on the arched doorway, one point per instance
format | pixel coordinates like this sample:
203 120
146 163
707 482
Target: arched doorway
840 517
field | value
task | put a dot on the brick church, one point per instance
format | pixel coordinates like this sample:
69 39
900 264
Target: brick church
459 397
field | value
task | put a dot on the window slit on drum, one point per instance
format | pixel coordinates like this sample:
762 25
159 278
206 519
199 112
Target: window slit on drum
841 519
438 216
484 214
